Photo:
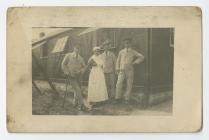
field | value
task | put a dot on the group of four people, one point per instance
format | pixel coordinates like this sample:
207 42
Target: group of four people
103 69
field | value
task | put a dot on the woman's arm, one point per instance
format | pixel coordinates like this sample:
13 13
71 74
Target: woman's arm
90 63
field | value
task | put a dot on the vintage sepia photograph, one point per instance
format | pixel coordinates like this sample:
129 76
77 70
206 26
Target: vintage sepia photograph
102 71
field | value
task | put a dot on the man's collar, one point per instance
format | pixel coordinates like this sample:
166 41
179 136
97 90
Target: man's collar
74 54
129 48
106 52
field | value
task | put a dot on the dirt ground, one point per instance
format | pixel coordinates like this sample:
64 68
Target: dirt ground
43 104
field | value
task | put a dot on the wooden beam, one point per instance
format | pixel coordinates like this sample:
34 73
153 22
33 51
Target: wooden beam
36 87
148 71
56 94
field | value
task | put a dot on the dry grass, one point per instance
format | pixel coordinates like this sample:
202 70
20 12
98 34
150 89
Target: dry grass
43 104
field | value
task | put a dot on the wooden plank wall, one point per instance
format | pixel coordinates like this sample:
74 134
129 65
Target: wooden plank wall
160 59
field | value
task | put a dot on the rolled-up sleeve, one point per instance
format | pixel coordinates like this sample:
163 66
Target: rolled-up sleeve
139 57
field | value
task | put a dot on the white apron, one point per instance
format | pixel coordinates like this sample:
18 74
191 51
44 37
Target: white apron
97 90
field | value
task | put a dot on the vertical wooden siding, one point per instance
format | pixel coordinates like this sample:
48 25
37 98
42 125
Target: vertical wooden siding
161 59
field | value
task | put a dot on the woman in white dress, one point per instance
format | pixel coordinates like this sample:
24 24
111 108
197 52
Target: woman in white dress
97 90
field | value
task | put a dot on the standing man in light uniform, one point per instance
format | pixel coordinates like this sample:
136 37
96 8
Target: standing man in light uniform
126 60
109 68
73 66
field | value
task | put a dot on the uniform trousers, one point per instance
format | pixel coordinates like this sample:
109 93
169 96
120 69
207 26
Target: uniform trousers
128 77
110 83
76 85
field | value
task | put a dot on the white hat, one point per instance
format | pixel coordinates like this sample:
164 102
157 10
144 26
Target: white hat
96 48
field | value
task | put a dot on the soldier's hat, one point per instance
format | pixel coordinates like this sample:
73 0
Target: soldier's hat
107 42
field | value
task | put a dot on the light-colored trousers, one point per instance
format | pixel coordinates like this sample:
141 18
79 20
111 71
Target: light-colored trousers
76 85
128 76
110 83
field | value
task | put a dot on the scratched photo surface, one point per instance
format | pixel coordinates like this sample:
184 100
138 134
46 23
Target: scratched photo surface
135 76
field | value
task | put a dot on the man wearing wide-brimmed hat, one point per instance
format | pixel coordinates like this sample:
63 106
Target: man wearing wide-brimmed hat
109 68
